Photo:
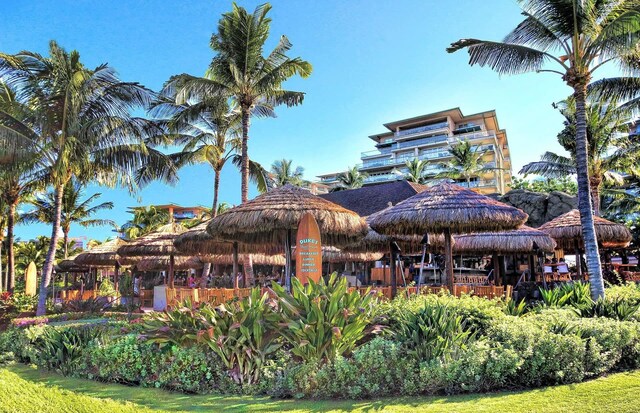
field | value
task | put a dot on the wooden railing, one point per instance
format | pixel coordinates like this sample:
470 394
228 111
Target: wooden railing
487 291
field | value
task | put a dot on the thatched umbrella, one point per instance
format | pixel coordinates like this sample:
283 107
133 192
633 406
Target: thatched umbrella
158 243
522 240
567 231
259 259
160 263
103 255
447 208
71 265
272 218
334 255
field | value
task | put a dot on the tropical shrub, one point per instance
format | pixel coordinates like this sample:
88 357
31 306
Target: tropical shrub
90 305
617 308
177 326
515 309
323 320
106 288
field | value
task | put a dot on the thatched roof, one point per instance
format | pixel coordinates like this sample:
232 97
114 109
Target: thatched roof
566 229
157 243
266 219
198 241
445 206
103 255
333 255
70 265
162 263
373 198
258 259
514 241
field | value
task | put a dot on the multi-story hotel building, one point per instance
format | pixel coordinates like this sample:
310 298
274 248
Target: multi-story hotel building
428 137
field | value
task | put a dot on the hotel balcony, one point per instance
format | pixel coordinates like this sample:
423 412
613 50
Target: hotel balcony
441 127
471 136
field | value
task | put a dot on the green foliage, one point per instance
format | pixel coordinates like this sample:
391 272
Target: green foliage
433 332
616 308
570 294
90 305
177 326
515 309
243 334
564 184
323 320
23 302
106 289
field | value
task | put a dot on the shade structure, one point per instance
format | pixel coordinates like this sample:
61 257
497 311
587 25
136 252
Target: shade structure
335 255
567 231
447 208
161 263
522 240
158 243
103 255
197 241
258 259
71 265
271 219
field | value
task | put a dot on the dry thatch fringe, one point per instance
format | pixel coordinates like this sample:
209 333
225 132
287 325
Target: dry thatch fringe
518 240
567 229
162 263
258 259
265 219
334 255
156 243
198 241
70 265
447 206
104 255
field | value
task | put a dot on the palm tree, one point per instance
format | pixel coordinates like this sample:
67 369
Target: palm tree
283 173
610 151
579 37
74 211
81 126
240 71
145 220
416 171
466 163
352 178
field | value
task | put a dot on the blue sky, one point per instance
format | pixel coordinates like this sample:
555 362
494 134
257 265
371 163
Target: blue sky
373 61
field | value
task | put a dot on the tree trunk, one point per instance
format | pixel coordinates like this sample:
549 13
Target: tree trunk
248 270
65 240
595 194
448 256
47 271
244 169
2 285
235 265
11 257
216 187
392 270
584 198
171 272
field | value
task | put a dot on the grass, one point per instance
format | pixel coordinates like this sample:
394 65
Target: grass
25 389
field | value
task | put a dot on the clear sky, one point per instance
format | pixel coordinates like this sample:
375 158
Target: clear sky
373 62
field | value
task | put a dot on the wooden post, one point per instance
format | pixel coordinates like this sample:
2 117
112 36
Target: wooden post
171 264
448 258
578 259
235 265
503 269
116 276
287 268
392 270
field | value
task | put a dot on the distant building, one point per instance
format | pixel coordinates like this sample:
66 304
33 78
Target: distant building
176 212
428 137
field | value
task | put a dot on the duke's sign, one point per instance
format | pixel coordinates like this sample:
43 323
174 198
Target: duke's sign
308 250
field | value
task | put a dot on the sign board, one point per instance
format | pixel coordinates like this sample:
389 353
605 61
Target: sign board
30 276
308 250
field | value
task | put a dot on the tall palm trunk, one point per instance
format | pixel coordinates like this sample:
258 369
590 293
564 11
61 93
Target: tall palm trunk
584 198
244 170
248 270
216 188
11 260
2 285
65 239
594 183
51 253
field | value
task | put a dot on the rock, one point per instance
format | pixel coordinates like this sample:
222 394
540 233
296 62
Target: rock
541 207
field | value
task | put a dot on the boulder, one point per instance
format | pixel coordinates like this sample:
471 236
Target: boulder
541 207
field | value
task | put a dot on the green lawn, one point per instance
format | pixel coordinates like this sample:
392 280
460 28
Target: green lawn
24 389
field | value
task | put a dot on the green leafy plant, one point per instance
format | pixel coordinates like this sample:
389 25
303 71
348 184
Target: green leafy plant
243 334
106 289
177 326
515 309
617 308
90 305
322 320
433 332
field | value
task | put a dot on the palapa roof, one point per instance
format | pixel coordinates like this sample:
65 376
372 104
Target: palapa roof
449 206
330 254
373 198
161 263
70 265
198 241
258 259
103 255
265 219
567 229
519 240
159 242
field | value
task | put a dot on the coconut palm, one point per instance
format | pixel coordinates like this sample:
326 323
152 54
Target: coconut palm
466 163
75 210
578 37
610 151
81 126
240 71
352 178
145 220
283 173
416 171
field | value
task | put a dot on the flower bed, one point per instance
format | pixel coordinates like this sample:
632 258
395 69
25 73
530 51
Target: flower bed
323 342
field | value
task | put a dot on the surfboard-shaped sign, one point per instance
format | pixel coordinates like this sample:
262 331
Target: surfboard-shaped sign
308 250
30 276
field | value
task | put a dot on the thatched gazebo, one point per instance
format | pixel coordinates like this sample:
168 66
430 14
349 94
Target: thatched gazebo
271 220
160 263
566 230
522 240
447 208
103 255
158 243
71 265
258 259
